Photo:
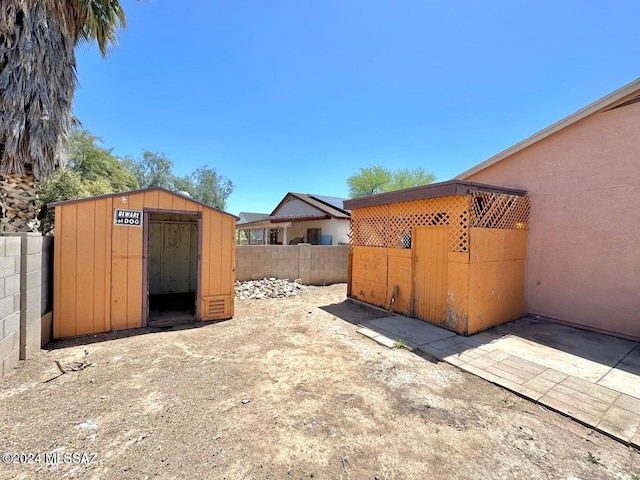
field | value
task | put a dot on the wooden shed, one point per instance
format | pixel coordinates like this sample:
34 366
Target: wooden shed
453 252
140 258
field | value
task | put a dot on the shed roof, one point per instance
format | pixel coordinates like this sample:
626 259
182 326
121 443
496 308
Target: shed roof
131 192
628 94
433 190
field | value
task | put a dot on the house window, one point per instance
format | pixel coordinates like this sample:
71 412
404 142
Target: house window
313 236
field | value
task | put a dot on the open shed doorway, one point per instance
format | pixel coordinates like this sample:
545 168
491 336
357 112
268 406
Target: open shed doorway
172 268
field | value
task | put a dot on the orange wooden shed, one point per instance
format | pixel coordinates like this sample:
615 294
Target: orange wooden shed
139 258
453 252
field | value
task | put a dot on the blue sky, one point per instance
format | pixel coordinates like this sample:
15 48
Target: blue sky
298 95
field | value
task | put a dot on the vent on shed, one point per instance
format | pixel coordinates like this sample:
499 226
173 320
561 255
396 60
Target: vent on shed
216 308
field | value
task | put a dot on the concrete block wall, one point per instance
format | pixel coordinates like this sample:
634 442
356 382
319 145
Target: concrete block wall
259 261
313 264
10 268
31 279
20 298
328 264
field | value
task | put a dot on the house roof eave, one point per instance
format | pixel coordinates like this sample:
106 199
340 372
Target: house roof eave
607 102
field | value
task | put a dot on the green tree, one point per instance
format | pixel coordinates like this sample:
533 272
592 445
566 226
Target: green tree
37 81
377 179
98 166
153 170
92 170
65 184
369 181
406 178
203 185
209 187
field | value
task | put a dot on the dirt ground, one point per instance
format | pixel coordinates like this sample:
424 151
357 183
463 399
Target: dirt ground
286 389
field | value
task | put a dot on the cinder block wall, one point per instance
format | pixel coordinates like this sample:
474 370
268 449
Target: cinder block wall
328 264
10 269
30 295
313 264
20 297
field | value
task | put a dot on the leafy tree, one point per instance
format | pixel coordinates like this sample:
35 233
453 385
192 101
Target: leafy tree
37 81
153 170
98 166
377 179
368 181
204 185
92 170
406 178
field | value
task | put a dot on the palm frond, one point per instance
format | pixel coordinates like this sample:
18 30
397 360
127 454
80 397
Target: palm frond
100 20
38 76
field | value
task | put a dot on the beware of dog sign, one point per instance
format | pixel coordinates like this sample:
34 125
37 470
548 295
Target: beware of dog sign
132 218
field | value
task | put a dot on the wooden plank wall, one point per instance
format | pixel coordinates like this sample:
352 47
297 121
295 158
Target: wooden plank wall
430 253
98 266
369 275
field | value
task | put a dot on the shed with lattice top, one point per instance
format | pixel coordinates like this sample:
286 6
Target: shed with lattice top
453 252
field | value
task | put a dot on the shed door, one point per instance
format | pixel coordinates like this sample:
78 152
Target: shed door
430 257
173 257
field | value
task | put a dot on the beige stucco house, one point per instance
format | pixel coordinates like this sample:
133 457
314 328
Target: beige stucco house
582 175
298 218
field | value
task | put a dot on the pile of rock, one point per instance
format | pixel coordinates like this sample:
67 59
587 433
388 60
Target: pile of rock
268 288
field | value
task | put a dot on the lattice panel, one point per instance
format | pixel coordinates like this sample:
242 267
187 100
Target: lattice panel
391 225
369 226
496 210
450 211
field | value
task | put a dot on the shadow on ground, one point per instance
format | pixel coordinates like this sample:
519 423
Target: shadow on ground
116 335
353 312
596 347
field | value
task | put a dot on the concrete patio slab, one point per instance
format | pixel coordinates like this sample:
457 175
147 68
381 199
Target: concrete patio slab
620 423
410 329
625 376
559 360
581 353
377 337
598 347
593 378
631 404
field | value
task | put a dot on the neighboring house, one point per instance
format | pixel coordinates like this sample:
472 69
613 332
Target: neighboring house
298 218
253 228
582 175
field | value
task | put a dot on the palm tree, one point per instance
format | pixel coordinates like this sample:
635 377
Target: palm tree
37 83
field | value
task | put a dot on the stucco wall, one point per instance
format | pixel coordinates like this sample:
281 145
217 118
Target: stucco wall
583 263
